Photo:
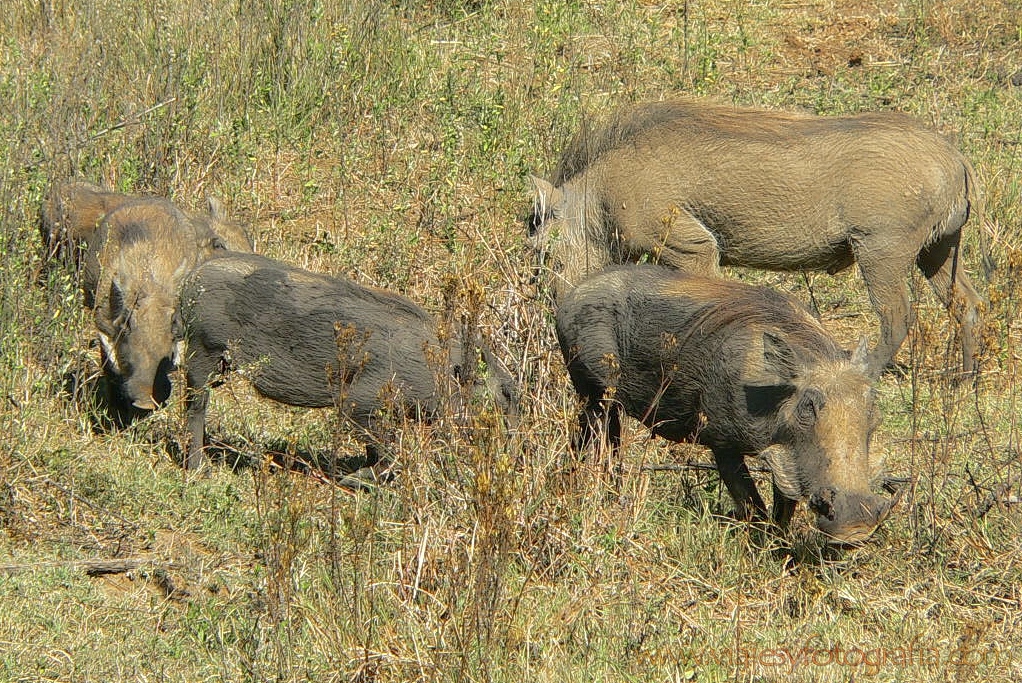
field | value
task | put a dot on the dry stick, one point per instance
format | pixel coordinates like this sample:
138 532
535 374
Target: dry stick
91 567
889 484
997 496
123 123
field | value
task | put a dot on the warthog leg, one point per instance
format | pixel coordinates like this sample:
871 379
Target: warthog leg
679 240
196 402
783 509
733 470
937 264
590 420
886 278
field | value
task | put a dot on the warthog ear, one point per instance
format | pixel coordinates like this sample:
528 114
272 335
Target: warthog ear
762 401
215 208
547 196
778 356
860 353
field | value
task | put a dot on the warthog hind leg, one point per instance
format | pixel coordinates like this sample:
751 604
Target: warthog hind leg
936 263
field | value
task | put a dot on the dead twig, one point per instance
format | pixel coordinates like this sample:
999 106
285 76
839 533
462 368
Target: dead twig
998 495
90 567
887 483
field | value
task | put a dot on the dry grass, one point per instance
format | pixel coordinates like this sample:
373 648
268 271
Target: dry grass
390 142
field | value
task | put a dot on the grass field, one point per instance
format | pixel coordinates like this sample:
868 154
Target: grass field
391 143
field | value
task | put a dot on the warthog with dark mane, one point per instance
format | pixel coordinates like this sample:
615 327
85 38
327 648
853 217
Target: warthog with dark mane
279 324
741 369
137 259
693 185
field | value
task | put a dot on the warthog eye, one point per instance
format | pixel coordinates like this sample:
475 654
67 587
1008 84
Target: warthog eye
809 406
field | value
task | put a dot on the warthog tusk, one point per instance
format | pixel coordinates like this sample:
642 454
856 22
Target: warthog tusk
146 404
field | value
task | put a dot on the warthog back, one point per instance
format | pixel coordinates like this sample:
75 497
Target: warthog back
71 213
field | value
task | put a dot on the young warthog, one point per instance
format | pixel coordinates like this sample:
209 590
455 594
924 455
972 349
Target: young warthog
70 214
280 323
694 185
73 210
232 234
741 369
136 262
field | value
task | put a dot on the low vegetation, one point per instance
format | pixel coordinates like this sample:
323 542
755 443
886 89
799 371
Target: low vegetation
391 142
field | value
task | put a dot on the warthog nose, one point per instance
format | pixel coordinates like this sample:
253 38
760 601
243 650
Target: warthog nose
822 503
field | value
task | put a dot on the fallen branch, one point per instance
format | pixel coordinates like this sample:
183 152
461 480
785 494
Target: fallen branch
889 484
90 567
998 495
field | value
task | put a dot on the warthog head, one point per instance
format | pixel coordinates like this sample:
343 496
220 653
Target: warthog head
559 238
824 420
141 334
232 235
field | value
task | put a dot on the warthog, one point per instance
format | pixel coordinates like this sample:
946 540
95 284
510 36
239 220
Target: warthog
137 259
741 369
72 212
279 324
233 234
693 185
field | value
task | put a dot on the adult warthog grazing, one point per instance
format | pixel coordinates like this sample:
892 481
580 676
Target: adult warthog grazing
136 261
279 324
743 370
694 185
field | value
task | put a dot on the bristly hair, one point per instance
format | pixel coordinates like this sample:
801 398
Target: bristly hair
630 123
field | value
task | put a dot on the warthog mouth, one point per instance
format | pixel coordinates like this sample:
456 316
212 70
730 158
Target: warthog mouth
855 534
145 404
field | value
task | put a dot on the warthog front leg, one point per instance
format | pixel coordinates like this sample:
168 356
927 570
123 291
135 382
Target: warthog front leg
679 240
196 402
735 473
936 263
590 421
886 276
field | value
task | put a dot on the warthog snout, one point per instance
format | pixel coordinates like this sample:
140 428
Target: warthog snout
151 394
848 518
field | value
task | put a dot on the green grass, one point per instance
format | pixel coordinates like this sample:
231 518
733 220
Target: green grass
391 142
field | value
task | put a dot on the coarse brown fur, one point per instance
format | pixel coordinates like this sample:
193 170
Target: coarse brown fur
70 214
743 370
695 185
73 211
